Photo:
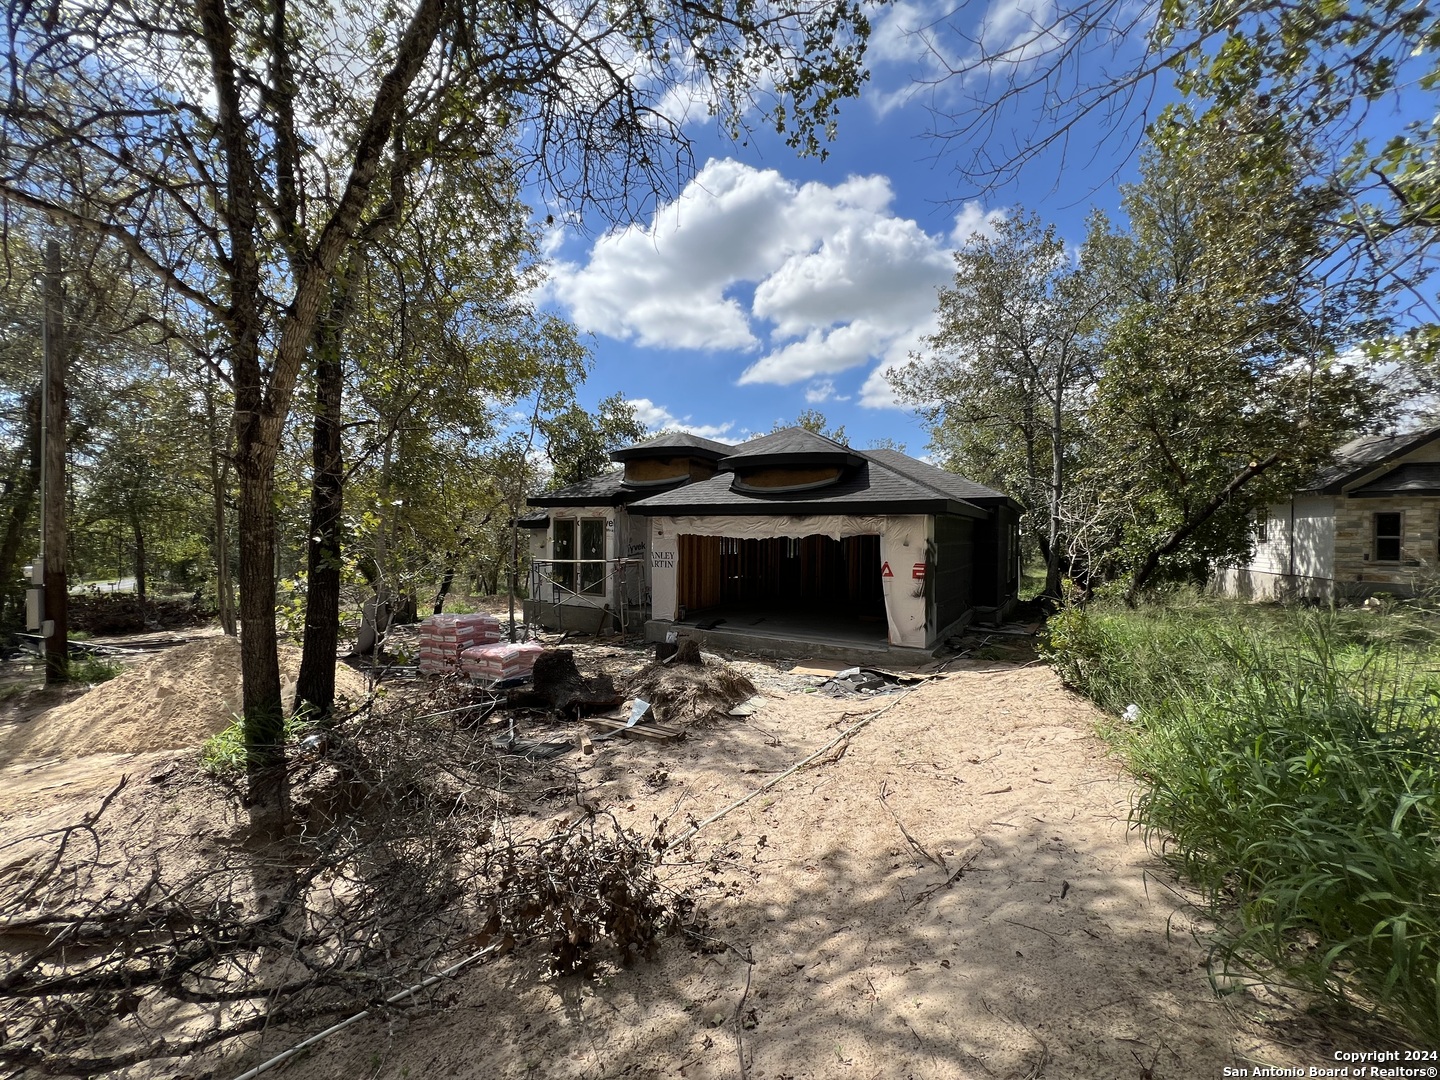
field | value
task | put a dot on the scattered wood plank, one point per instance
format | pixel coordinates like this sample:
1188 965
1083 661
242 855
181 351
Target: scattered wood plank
819 667
653 732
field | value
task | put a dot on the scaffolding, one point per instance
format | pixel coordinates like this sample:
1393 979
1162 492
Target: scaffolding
543 583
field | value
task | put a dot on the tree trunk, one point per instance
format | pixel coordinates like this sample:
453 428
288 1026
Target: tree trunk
22 492
1057 479
269 796
315 686
219 484
57 582
1151 563
375 617
445 583
140 568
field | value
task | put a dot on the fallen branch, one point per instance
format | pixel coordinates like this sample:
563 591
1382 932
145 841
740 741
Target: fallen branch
915 844
968 864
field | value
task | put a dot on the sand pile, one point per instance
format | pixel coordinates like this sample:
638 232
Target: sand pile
176 700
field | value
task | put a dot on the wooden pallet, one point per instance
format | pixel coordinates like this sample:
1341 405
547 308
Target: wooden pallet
647 730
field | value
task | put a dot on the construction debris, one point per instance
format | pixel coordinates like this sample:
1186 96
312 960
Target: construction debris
643 730
858 680
687 687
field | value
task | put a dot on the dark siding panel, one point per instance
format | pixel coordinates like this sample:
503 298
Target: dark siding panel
951 573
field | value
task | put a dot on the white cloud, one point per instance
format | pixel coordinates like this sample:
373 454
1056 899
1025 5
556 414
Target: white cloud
823 390
936 50
972 219
877 393
816 278
658 418
820 352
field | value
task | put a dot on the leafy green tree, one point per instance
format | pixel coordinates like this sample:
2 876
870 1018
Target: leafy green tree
815 421
1009 369
1219 386
579 442
1356 80
184 136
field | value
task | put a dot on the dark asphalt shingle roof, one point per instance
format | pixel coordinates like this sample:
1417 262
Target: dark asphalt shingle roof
1363 454
953 484
1412 478
872 488
872 481
787 441
607 489
673 441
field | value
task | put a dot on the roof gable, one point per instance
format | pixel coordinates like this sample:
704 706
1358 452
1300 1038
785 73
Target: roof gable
1365 454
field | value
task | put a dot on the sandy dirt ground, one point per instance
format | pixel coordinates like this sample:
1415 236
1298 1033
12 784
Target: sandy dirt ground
952 892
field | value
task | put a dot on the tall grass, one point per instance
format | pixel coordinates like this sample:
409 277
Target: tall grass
1288 762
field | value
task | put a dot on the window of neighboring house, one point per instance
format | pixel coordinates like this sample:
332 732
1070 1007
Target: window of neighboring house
578 555
1387 536
1262 527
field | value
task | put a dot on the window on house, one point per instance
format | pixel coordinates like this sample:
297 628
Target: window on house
1262 527
578 555
1387 537
562 549
592 549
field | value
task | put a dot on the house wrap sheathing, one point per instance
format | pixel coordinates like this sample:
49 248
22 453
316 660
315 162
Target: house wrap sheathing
788 527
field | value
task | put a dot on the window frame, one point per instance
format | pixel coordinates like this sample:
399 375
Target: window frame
570 568
1397 537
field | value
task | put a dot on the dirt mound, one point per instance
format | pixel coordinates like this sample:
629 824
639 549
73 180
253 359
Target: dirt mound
690 692
178 699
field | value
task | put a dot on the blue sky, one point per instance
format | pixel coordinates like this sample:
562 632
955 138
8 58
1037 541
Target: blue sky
775 283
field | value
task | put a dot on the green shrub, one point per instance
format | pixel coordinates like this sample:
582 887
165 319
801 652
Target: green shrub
94 669
224 752
1288 761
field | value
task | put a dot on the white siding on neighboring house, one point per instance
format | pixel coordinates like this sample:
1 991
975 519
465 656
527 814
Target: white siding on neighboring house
1272 540
1315 537
1295 558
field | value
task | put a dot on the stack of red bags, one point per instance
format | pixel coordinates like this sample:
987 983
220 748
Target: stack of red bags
492 663
444 637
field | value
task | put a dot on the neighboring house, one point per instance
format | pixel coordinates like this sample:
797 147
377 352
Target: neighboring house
1368 523
790 535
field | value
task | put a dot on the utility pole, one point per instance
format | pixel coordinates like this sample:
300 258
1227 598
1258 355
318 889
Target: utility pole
52 478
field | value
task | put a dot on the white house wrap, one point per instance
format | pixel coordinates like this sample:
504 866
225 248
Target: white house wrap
878 547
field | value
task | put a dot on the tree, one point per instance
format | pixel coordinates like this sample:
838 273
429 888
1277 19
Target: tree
185 136
1009 368
813 420
1219 385
1344 77
579 442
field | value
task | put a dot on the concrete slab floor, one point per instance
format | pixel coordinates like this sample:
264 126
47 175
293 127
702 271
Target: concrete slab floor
793 634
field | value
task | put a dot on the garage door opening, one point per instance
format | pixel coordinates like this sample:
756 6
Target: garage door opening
812 586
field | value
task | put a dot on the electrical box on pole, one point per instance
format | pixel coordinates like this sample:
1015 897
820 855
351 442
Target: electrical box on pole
35 598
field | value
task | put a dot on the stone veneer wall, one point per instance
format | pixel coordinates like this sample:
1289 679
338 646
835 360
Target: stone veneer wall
1356 570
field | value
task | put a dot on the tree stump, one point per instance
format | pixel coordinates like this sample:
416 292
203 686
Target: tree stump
558 686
